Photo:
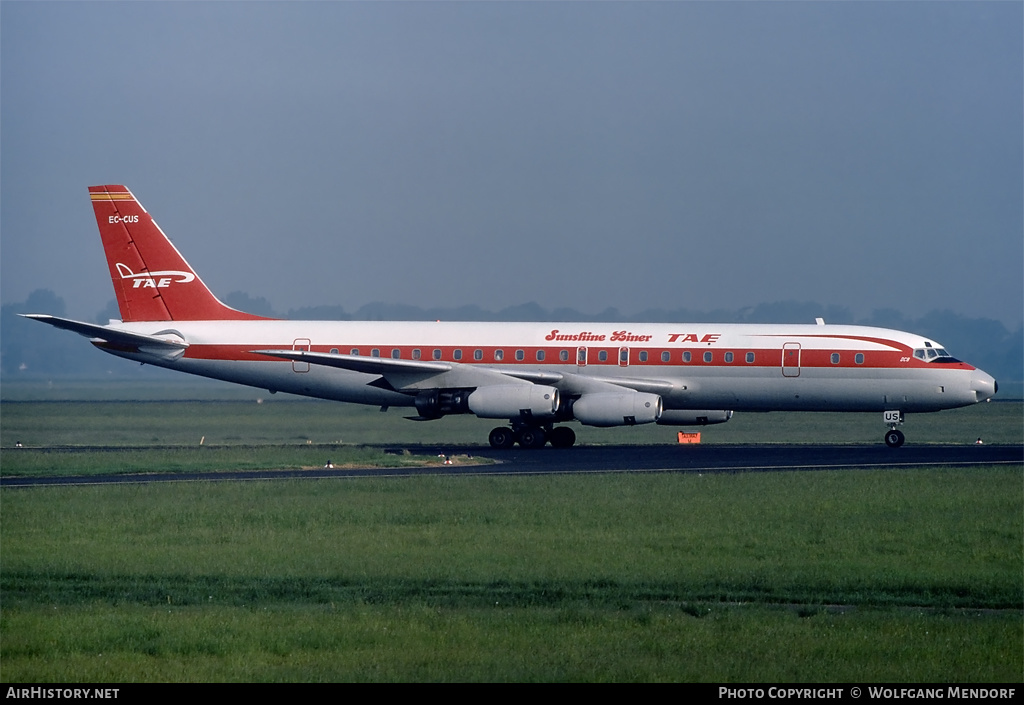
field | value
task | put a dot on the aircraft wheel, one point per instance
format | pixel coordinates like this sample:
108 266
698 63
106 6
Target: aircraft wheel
502 438
562 437
894 438
532 438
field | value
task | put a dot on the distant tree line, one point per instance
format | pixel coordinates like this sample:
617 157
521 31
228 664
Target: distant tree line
29 349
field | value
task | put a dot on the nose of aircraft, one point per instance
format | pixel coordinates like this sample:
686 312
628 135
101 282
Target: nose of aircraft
983 385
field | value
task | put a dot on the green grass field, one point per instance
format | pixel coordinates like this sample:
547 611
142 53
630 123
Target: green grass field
865 576
910 575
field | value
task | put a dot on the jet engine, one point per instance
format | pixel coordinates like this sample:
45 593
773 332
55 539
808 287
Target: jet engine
687 417
503 401
436 403
613 409
512 401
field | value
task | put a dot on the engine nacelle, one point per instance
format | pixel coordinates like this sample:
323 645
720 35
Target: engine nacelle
514 401
613 409
687 417
435 403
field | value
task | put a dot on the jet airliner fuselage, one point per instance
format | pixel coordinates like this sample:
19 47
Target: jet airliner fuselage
533 375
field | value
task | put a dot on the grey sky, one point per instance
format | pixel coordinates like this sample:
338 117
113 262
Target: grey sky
586 155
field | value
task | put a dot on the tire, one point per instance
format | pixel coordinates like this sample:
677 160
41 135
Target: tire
502 438
562 437
532 438
894 438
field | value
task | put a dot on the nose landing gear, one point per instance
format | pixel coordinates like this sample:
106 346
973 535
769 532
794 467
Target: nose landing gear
894 438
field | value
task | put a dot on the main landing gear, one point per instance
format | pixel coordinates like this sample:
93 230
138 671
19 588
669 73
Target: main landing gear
894 438
532 436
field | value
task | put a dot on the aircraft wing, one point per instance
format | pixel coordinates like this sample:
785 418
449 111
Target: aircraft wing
360 363
404 375
572 383
638 384
109 337
422 374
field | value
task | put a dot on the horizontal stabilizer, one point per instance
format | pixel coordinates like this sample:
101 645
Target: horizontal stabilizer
116 336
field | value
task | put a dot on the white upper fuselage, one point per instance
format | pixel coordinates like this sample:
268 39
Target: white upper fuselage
690 365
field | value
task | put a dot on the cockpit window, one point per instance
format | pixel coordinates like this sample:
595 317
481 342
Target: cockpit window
930 354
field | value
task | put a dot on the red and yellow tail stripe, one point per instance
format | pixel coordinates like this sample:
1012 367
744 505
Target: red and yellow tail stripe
111 197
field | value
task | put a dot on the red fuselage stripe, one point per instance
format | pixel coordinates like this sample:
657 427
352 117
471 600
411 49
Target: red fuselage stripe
553 356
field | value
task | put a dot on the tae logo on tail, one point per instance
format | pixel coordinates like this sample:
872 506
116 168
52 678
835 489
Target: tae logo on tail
154 280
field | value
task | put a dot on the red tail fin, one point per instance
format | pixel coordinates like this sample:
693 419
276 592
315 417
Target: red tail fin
153 282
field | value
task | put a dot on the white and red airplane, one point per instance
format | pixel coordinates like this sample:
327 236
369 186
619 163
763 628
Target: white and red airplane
534 375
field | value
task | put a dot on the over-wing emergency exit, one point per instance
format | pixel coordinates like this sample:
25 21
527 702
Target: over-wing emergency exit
537 377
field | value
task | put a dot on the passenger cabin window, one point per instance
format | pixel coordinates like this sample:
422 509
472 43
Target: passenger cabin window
687 356
457 355
643 356
396 353
436 354
375 352
623 354
334 351
728 357
563 356
602 356
416 354
859 358
520 355
499 355
540 356
707 356
665 356
354 351
478 354
750 357
835 358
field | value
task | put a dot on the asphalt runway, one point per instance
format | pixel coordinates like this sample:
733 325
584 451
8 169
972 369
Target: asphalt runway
606 459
